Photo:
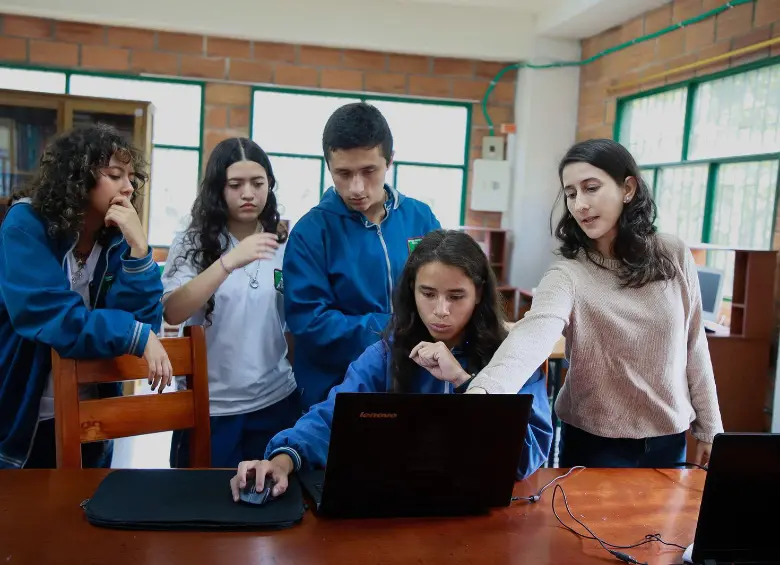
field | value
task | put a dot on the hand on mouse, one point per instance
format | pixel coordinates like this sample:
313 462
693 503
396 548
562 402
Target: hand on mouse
278 468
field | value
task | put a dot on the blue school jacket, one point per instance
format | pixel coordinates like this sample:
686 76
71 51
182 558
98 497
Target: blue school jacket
339 274
307 442
39 312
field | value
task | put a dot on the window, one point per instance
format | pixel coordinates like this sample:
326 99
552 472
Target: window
34 81
710 150
430 143
176 137
176 143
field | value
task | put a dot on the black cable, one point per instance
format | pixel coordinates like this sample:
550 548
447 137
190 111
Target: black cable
689 464
608 547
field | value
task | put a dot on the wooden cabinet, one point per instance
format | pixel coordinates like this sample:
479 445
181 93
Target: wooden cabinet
28 120
741 357
495 243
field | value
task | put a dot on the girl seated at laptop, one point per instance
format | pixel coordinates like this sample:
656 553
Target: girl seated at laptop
223 273
447 324
77 277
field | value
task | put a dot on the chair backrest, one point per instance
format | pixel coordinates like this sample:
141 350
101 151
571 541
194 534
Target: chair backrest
80 421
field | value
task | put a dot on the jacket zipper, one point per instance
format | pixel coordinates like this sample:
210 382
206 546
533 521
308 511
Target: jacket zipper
387 262
105 270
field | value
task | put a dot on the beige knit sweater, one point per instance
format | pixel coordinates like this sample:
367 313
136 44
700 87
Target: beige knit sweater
640 364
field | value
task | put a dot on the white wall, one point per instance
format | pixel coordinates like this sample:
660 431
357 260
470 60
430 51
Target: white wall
546 118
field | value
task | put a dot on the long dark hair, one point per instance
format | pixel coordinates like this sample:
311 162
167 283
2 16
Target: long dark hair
69 169
485 330
636 246
206 235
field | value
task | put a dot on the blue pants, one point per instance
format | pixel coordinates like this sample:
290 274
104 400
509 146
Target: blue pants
578 447
241 437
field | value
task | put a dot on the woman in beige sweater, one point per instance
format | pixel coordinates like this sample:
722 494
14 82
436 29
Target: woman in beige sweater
627 300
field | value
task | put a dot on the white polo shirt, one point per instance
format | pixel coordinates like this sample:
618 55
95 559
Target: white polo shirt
247 353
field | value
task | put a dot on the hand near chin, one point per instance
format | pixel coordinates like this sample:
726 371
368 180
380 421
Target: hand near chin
123 215
438 360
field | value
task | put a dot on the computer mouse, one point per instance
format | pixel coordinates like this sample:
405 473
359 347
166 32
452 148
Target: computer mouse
251 495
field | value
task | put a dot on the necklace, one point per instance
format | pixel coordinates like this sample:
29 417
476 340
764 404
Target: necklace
253 279
81 262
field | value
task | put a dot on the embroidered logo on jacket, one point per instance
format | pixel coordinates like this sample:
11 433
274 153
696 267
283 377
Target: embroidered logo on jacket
412 243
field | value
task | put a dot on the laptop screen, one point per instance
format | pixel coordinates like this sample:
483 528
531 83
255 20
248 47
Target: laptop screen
737 521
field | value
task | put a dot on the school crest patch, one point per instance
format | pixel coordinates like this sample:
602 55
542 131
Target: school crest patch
278 280
412 243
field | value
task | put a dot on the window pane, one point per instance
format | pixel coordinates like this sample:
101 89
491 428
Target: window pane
292 123
35 81
426 133
744 204
441 189
173 186
652 127
680 198
737 115
648 175
297 186
176 105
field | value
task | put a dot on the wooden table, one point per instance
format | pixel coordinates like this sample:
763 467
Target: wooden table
41 523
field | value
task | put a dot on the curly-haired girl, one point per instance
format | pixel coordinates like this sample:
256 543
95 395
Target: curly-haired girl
627 299
224 272
76 276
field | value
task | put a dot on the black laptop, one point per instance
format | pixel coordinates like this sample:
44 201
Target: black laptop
738 520
420 454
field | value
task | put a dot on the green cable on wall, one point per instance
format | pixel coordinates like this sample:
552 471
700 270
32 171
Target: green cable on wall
690 21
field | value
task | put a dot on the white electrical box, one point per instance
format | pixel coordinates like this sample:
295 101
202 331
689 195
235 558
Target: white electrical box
490 186
493 148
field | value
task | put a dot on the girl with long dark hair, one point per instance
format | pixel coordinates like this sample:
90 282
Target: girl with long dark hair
627 300
447 323
224 272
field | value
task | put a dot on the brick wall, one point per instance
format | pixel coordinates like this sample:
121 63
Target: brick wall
738 27
230 62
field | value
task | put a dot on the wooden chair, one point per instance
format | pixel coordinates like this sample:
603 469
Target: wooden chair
80 421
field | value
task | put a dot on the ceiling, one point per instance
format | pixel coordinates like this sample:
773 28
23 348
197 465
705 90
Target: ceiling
520 6
496 30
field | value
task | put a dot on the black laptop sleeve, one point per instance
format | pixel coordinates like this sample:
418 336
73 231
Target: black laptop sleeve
183 499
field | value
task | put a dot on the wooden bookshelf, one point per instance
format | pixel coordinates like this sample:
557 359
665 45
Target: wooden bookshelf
28 120
495 243
741 356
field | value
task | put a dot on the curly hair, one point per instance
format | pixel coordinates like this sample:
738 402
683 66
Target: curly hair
484 332
636 246
69 169
205 237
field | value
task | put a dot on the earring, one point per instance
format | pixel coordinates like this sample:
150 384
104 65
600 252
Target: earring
626 200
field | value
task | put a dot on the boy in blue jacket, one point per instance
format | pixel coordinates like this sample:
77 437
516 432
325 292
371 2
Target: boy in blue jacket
447 324
345 255
76 276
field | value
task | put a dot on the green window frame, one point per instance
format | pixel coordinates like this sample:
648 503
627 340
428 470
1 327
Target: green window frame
70 73
696 201
403 165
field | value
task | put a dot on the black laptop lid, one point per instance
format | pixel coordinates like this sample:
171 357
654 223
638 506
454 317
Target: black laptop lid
737 520
426 451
